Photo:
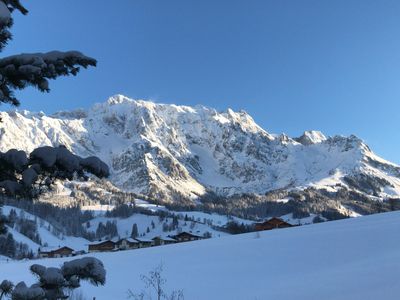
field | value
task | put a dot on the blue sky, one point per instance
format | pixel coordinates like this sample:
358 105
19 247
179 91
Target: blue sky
293 65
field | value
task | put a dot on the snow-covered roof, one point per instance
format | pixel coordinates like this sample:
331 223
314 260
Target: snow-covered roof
102 242
130 240
52 249
166 238
144 240
187 233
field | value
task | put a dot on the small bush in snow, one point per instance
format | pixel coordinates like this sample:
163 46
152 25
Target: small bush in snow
154 286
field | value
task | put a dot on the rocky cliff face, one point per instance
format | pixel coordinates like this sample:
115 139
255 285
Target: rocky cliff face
174 152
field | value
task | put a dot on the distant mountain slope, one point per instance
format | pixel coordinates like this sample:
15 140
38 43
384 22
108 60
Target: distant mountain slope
148 226
46 233
175 152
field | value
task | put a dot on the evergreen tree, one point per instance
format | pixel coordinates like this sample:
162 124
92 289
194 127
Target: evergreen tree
165 227
100 231
3 221
175 222
10 246
135 231
12 218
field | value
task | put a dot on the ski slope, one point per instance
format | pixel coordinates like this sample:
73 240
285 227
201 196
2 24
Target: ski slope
353 259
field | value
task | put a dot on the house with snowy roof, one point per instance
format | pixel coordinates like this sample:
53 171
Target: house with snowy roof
54 252
128 243
103 246
144 243
159 241
186 237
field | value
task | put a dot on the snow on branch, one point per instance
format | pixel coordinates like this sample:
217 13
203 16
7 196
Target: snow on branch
20 71
6 21
56 283
15 5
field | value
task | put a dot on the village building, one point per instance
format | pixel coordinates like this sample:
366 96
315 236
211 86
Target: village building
272 223
186 237
128 243
55 252
159 241
79 252
144 243
103 246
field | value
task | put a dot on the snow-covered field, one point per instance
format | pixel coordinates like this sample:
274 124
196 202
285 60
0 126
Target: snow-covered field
349 259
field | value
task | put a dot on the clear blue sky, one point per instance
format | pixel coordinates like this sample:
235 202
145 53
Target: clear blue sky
293 65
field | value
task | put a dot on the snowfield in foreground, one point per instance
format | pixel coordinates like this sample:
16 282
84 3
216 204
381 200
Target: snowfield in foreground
348 259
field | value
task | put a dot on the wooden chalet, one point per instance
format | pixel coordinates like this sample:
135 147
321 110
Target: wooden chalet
159 241
128 243
103 246
272 223
144 243
186 237
56 252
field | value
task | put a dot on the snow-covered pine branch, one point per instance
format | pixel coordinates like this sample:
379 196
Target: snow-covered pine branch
6 21
20 71
56 283
15 5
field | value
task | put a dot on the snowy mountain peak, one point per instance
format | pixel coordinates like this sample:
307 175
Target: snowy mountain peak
117 99
312 137
172 151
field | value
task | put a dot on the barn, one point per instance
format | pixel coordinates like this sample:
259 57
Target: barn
272 223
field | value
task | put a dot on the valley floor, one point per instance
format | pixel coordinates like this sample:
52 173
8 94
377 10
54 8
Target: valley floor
349 259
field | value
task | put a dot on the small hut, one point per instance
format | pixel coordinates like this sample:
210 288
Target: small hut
272 223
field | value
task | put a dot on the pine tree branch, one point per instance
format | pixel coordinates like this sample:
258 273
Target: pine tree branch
15 5
6 20
19 71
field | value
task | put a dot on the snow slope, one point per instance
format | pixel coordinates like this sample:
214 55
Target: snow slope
170 151
144 221
349 259
198 223
46 235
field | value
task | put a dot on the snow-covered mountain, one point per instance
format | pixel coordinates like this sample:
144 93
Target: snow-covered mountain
171 152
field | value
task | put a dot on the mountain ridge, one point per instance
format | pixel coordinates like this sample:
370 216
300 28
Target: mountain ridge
169 151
